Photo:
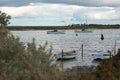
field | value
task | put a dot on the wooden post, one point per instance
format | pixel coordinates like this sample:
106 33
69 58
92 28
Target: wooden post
115 48
110 54
82 51
62 60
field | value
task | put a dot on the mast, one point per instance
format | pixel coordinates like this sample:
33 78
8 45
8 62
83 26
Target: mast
85 22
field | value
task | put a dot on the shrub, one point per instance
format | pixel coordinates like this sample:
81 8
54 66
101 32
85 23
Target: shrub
18 62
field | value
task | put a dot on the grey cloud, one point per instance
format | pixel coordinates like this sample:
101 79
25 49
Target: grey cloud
87 2
99 3
15 2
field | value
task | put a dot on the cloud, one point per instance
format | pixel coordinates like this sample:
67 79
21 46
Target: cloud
98 13
98 3
87 2
41 10
62 13
34 10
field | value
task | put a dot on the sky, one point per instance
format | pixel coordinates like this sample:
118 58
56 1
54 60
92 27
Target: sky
61 12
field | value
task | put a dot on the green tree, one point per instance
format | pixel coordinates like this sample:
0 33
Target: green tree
4 19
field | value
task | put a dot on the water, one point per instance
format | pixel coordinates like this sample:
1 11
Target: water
69 41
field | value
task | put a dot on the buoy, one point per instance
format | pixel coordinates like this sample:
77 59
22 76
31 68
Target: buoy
76 34
102 37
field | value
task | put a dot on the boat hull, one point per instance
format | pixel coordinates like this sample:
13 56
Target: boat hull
65 57
56 32
100 56
85 31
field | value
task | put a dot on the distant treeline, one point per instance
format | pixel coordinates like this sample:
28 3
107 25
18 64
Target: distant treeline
73 26
96 26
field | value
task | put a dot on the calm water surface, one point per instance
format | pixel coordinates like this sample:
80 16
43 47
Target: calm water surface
69 41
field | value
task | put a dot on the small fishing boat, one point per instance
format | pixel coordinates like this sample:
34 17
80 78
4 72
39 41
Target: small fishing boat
100 56
83 31
55 31
66 55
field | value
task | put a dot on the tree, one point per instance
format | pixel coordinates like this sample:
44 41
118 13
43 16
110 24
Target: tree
4 19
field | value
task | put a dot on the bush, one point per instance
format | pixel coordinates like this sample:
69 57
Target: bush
18 62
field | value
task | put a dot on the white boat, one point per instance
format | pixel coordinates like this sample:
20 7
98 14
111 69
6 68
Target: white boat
104 55
56 32
100 56
83 31
66 55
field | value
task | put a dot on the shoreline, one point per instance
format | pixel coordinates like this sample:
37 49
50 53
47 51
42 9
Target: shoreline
61 27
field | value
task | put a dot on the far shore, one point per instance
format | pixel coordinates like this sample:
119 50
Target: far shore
62 27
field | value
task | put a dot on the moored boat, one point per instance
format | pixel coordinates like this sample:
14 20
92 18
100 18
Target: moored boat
56 32
66 55
100 56
83 31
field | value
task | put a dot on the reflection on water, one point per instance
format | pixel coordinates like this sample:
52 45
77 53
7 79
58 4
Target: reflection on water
69 41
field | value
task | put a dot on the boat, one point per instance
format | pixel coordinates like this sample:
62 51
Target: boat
83 31
66 55
55 31
100 56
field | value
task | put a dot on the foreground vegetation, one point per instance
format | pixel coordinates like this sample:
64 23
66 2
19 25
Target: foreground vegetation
28 62
20 62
